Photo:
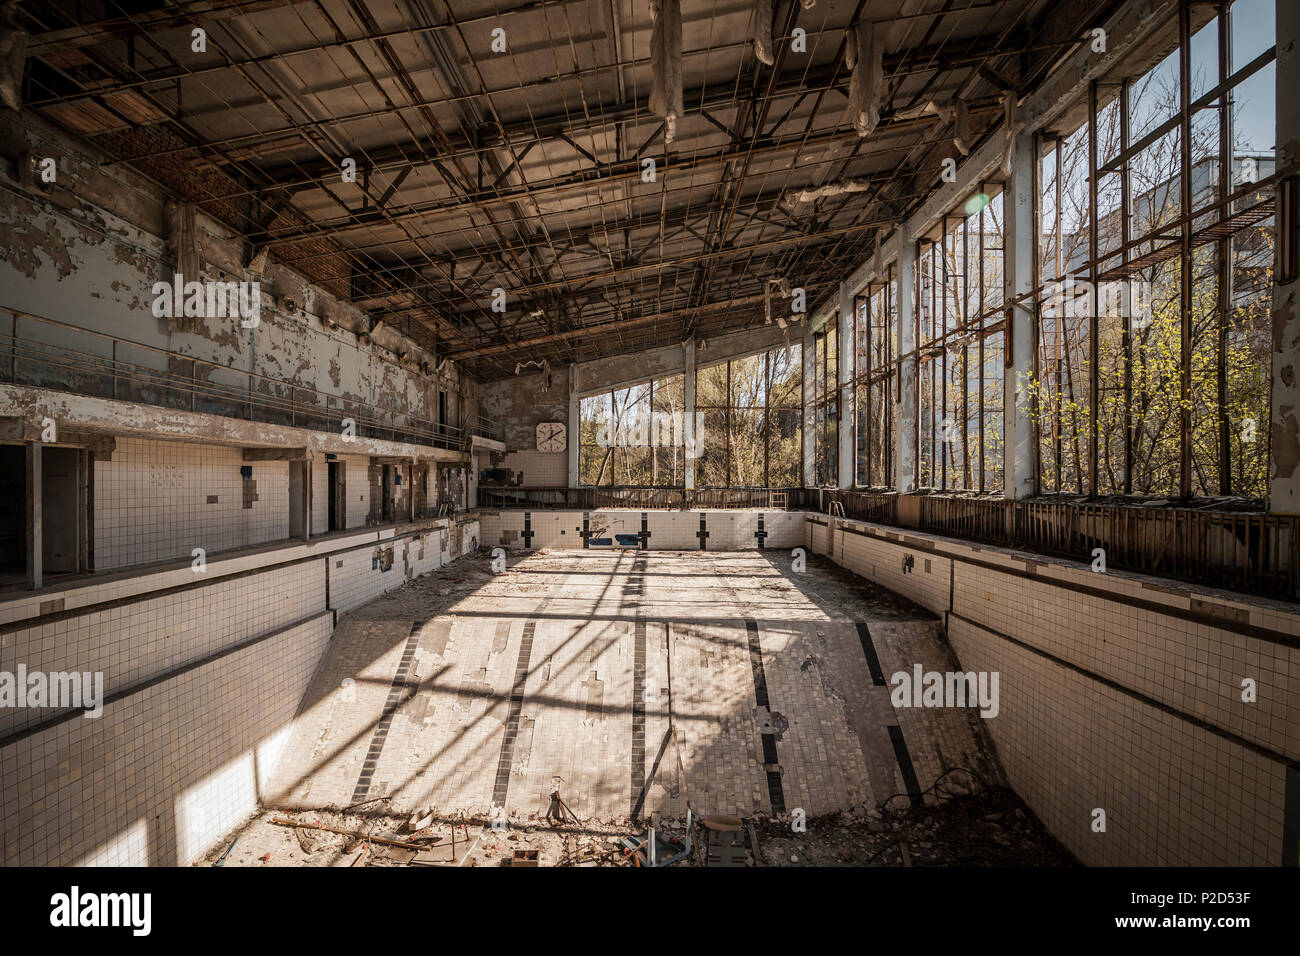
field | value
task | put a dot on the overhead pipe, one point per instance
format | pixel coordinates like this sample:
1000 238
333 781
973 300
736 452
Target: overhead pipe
864 57
666 63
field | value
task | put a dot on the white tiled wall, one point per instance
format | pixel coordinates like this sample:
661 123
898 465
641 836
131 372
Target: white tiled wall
669 530
356 479
136 640
357 576
1174 790
170 767
320 492
1174 793
164 771
151 502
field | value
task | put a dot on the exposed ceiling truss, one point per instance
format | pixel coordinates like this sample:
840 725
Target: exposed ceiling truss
527 171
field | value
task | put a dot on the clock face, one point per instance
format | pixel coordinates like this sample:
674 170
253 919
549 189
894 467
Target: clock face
551 436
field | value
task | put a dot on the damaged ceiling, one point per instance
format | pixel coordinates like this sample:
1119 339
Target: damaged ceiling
509 149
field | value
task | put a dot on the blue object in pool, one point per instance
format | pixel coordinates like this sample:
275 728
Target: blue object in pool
628 540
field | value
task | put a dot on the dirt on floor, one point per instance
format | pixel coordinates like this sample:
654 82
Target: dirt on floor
981 828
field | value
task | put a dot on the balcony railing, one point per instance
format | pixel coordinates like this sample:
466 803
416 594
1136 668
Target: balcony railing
1248 552
643 498
46 353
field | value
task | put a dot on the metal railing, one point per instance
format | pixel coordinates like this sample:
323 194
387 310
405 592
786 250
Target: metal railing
1253 553
485 427
36 352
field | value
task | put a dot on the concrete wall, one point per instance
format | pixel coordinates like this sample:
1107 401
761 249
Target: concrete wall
90 258
202 676
1119 692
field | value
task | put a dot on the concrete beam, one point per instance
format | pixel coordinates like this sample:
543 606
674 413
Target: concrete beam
131 419
275 454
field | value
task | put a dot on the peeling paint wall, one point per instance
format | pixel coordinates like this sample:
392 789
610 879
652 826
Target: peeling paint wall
88 253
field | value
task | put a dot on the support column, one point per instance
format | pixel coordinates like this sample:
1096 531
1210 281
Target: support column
809 412
1018 205
906 399
574 423
847 460
308 497
1284 485
35 514
688 413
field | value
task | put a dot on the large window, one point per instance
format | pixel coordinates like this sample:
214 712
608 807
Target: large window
875 382
750 430
634 435
826 405
961 334
1155 259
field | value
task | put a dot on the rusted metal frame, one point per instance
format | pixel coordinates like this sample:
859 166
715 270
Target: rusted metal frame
128 26
1185 251
1224 248
965 354
864 382
389 55
904 62
493 164
626 170
952 63
703 274
1126 215
767 418
1094 348
1035 314
1203 101
244 169
452 207
983 335
1058 337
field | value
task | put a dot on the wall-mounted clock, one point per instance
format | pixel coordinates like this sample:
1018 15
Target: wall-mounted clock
552 436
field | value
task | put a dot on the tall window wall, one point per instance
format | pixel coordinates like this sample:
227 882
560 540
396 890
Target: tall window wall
961 340
875 381
1155 259
826 405
750 431
634 435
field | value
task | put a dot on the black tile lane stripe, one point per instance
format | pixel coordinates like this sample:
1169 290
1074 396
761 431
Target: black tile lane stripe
501 788
398 692
775 792
905 764
901 754
638 716
869 649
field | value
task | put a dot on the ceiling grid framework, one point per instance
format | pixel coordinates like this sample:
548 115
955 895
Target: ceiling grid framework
514 150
